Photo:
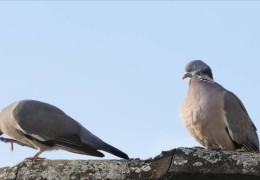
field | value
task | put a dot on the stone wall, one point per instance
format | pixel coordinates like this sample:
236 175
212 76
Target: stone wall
177 164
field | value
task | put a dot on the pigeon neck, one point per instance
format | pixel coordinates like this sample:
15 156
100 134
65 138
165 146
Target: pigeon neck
208 73
203 77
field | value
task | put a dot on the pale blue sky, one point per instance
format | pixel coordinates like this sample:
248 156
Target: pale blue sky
116 66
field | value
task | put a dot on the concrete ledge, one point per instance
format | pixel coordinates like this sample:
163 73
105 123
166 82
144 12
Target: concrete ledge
177 164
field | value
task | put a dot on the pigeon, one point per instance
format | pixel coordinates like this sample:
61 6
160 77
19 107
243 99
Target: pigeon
214 116
45 127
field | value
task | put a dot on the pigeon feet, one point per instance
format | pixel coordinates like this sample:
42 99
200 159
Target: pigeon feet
35 157
7 140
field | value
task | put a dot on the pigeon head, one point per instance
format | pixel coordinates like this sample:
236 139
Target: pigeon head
197 67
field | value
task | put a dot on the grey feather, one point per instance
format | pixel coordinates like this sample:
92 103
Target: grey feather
45 127
216 117
240 127
44 120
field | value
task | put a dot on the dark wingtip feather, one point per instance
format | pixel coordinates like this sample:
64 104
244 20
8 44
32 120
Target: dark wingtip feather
98 154
115 151
119 153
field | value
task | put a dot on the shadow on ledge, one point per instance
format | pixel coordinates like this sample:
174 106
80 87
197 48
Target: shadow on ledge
177 164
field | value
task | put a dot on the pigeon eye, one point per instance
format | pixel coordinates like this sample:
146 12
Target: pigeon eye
193 67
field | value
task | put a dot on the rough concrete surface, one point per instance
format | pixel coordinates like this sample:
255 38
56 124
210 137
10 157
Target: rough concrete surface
177 164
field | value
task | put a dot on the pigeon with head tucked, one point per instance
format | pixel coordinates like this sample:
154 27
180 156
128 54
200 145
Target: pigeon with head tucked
45 127
214 116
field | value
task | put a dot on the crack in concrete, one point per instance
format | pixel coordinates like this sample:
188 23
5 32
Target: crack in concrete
171 160
17 171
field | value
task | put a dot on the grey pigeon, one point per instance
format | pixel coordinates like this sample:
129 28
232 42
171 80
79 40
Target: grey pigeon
214 116
45 127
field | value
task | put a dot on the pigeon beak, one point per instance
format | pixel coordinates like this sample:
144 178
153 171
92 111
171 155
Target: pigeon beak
186 75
